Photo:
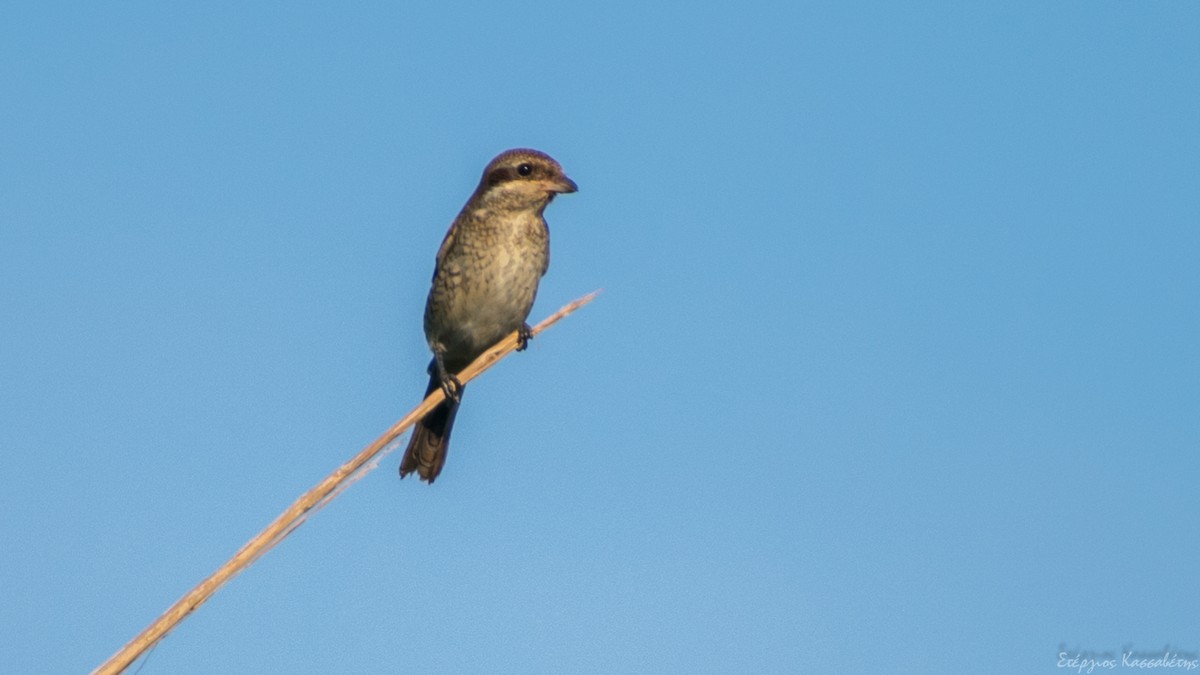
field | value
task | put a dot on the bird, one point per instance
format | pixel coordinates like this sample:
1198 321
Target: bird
484 283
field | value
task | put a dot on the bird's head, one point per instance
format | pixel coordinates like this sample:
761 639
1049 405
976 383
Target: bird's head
523 178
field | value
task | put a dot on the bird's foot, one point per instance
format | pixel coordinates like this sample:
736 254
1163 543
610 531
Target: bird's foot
524 335
451 386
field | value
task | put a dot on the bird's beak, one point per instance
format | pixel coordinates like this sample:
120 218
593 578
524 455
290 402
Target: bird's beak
564 185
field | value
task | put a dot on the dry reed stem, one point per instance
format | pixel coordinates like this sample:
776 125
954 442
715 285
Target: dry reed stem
308 503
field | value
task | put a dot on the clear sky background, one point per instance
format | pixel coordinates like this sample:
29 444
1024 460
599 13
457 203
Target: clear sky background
896 368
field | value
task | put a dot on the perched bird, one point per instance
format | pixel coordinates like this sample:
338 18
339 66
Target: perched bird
484 285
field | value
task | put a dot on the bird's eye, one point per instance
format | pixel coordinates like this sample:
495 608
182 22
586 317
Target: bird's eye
525 169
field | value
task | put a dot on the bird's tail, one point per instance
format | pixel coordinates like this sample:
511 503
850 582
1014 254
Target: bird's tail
426 452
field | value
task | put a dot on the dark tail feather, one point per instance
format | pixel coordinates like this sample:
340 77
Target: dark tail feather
426 452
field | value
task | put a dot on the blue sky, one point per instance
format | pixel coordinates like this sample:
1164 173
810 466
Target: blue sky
896 367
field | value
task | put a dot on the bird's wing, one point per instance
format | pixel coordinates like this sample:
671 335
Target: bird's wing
546 229
447 244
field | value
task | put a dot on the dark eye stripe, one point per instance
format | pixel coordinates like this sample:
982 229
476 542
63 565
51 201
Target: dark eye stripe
501 175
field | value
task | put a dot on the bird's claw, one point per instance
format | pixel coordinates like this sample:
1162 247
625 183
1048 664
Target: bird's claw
452 387
524 335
